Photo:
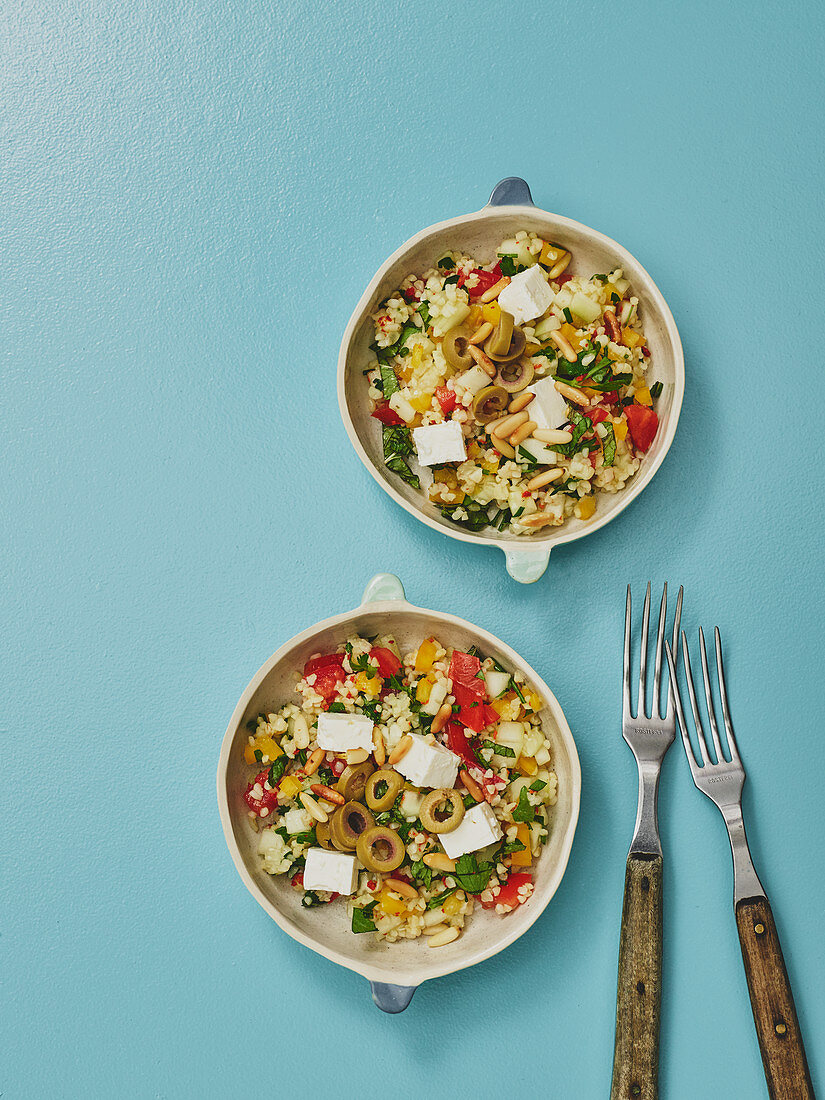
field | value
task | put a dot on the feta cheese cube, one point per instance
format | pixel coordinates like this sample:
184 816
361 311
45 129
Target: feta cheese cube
339 732
479 827
428 765
527 295
549 408
334 871
297 821
436 443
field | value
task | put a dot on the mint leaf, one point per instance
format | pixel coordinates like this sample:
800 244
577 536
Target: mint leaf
277 769
471 875
524 811
609 444
422 873
362 918
388 379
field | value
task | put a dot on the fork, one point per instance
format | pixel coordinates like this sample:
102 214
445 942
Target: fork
638 1000
777 1028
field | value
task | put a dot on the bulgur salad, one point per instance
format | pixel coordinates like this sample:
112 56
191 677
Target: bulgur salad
519 390
411 787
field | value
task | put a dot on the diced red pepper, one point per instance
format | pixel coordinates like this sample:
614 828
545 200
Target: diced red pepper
337 766
268 800
446 399
458 742
598 414
326 660
491 716
642 423
411 294
464 669
471 713
387 415
486 279
298 879
508 893
610 398
388 663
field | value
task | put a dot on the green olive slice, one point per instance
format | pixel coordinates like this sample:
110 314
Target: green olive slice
353 780
380 849
518 343
347 824
456 348
382 789
430 812
490 403
322 834
515 376
500 340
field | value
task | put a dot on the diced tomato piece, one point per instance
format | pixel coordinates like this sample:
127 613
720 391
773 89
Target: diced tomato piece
642 423
597 414
298 879
458 742
327 660
267 800
508 893
326 681
486 279
387 415
411 294
388 663
564 277
610 398
446 399
491 716
464 669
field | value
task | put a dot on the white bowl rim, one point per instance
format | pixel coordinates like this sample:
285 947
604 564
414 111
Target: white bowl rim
392 974
534 546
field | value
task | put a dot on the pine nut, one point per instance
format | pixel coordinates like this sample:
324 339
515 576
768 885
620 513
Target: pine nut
441 718
470 785
572 394
550 435
496 289
400 750
503 447
328 793
563 345
356 756
312 807
443 938
401 887
506 427
520 434
612 325
439 861
521 402
435 929
561 266
492 427
483 360
540 480
481 334
537 519
314 761
379 752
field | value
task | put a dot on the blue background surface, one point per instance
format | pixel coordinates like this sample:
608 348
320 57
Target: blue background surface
194 196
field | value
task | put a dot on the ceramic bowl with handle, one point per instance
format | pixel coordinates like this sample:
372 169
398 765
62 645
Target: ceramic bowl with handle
394 970
509 210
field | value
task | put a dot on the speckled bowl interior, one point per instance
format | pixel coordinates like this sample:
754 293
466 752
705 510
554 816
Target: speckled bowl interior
478 235
326 930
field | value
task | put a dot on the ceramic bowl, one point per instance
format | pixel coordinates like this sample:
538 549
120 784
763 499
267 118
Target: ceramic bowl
393 970
510 209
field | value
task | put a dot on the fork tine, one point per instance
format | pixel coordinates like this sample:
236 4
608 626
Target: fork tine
626 670
714 729
704 751
641 705
723 693
656 709
680 714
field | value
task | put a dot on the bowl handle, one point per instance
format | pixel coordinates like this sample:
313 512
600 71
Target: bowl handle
511 192
383 586
526 566
392 998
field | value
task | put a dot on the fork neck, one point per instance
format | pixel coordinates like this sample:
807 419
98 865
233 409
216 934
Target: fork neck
646 834
746 882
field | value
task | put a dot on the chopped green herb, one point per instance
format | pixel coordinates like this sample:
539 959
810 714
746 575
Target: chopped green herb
372 710
656 390
362 918
397 444
434 903
568 316
600 278
508 266
471 875
609 445
500 750
422 873
305 838
512 846
537 785
310 900
450 279
446 264
337 707
389 381
277 769
524 811
362 664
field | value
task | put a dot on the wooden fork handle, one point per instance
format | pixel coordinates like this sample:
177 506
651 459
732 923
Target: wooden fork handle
777 1028
636 1051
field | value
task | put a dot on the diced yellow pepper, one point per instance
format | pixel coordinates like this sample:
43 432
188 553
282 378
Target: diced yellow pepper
499 705
392 905
446 476
619 427
426 655
473 449
266 746
490 464
491 312
550 254
474 317
631 338
422 401
585 508
423 690
452 906
534 701
369 685
610 290
524 857
417 357
643 396
289 786
527 765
